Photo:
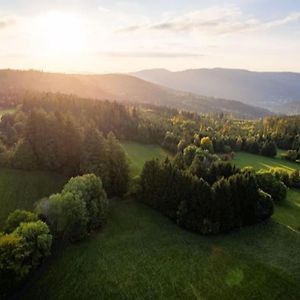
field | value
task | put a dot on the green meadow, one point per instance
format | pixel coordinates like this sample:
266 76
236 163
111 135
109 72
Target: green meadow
141 254
21 189
243 159
138 154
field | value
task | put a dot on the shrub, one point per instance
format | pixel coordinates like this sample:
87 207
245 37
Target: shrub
17 217
265 206
290 155
269 184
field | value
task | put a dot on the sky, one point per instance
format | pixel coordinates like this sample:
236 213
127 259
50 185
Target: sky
94 36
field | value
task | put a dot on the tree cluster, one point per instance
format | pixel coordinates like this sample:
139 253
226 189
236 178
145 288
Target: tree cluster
79 208
51 140
196 205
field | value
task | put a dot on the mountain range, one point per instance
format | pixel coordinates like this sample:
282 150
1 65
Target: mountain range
276 91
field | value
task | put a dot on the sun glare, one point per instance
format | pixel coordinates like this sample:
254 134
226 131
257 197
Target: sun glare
60 33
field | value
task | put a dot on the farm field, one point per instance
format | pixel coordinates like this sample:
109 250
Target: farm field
288 212
141 254
138 154
21 189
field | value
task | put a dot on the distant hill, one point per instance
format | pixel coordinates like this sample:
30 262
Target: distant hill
122 88
271 90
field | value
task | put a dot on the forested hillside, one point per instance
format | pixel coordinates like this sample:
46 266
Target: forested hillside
121 88
277 91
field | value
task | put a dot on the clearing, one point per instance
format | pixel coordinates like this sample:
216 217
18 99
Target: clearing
21 189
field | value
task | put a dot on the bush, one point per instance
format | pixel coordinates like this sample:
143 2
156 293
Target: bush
290 155
265 206
17 217
269 184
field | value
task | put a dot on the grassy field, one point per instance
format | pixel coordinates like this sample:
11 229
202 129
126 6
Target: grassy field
138 154
140 254
243 159
288 212
21 189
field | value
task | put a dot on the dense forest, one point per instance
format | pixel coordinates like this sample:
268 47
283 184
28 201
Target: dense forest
197 186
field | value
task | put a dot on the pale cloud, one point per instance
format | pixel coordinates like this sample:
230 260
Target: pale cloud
154 54
216 20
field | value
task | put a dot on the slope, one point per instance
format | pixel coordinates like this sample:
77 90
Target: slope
124 88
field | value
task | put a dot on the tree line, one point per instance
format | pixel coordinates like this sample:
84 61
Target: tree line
42 137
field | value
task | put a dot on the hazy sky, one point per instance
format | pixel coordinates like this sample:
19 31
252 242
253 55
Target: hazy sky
121 36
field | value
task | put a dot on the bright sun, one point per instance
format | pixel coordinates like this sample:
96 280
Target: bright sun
61 33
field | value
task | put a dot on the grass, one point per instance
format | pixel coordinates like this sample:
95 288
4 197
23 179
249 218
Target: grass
288 212
243 159
138 154
140 254
21 189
